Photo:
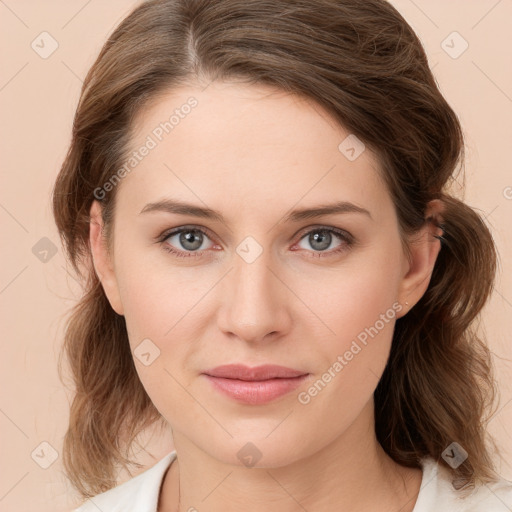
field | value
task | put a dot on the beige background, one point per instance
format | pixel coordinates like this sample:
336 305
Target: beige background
37 99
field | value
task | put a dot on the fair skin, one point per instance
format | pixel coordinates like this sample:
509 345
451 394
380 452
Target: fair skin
253 154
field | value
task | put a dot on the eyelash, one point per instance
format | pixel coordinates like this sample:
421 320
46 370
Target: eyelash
344 236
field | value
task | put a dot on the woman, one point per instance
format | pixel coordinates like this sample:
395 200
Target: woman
256 197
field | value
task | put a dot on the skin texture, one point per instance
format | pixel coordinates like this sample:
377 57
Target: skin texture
253 154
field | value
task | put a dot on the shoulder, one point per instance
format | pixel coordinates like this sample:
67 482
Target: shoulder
139 494
437 493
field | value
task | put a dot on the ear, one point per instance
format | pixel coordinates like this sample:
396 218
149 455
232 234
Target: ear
424 249
102 261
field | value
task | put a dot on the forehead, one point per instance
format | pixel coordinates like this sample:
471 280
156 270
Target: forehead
246 147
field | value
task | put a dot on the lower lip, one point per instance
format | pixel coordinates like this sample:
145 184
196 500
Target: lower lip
256 392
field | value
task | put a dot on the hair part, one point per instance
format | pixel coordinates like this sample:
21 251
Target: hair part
364 65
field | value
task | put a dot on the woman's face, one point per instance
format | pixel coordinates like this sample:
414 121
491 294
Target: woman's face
266 284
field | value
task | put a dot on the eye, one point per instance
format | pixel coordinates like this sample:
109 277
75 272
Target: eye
185 242
322 238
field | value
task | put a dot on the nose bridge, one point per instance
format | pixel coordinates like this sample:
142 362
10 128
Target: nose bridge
255 303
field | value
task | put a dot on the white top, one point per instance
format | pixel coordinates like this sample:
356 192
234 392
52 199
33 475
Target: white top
140 493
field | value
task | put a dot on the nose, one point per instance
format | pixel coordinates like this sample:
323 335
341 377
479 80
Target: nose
255 301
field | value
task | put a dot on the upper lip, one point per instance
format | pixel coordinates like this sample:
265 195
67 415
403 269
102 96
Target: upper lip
263 372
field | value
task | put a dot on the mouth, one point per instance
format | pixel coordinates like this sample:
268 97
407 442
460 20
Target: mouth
258 385
257 373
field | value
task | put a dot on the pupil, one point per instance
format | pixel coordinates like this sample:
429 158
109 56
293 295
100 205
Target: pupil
188 237
324 240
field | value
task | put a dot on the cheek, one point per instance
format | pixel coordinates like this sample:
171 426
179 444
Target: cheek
358 307
354 355
144 305
154 292
157 309
164 309
354 297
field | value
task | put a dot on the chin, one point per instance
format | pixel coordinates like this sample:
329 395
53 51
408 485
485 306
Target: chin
261 451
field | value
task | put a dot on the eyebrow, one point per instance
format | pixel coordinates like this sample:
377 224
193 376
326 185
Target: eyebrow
182 208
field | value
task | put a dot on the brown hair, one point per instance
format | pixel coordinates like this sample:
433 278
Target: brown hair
364 64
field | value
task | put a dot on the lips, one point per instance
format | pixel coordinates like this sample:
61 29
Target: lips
254 386
264 372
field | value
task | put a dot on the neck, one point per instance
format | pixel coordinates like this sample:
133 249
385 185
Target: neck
335 478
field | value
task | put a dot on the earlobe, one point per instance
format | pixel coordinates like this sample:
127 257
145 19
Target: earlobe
424 249
102 259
